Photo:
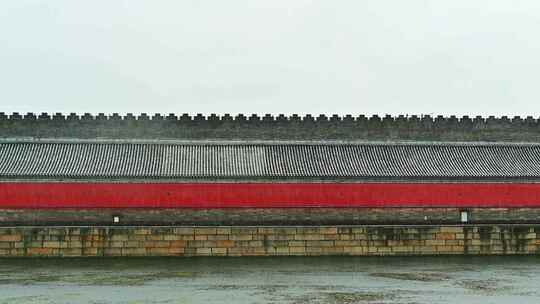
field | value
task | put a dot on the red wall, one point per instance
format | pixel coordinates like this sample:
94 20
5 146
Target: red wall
267 195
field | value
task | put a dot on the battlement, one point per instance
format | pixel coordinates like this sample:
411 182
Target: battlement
213 126
281 118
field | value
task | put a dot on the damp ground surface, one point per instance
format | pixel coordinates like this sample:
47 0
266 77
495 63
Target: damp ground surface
299 280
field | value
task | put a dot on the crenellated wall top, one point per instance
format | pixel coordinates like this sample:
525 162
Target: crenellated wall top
241 126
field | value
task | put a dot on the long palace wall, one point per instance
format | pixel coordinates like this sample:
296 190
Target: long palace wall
76 219
269 241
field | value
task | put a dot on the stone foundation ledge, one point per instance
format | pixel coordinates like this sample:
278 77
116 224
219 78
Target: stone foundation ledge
400 240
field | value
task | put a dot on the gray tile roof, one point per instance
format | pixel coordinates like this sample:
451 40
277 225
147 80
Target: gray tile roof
56 159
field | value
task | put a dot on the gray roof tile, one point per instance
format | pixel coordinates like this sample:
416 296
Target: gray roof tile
256 160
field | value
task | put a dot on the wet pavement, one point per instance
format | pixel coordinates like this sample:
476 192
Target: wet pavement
336 280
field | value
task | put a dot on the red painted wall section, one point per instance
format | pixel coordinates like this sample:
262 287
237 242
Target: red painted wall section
266 195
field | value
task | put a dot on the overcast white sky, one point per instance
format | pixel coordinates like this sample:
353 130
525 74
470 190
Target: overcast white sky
279 56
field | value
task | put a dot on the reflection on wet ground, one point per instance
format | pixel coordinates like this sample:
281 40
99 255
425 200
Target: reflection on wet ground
298 280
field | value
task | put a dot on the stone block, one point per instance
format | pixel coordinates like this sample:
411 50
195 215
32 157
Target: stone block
137 237
222 230
164 251
142 231
40 251
97 244
331 236
349 243
204 251
244 230
176 244
156 244
75 244
90 252
240 237
5 231
177 251
195 244
218 237
118 244
17 252
57 231
225 243
280 237
10 238
295 250
360 236
434 242
184 231
209 244
134 251
70 252
320 243
308 237
313 249
451 229
297 243
277 244
154 237
55 244
355 250
384 249
332 250
255 243
346 237
219 251
308 230
530 236
199 231
345 230
425 249
112 251
402 249
132 244
172 237
282 250
277 230
119 237
328 230
357 230
446 236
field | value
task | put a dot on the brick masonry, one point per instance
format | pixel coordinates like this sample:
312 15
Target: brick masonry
362 240
266 216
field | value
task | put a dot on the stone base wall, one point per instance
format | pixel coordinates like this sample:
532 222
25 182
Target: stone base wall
265 216
269 241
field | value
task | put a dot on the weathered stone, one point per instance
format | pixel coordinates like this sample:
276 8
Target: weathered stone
353 240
